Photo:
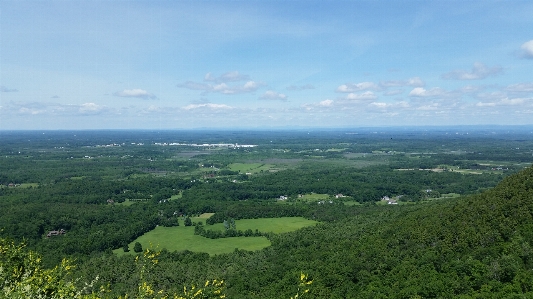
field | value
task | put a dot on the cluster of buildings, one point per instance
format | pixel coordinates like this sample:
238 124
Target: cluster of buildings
226 145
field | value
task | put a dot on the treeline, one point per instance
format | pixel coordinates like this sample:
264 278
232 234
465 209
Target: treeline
96 190
363 185
46 169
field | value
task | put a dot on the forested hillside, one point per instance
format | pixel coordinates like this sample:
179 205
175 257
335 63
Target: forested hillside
472 247
450 233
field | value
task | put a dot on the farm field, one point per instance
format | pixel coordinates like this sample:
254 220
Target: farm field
250 167
311 197
153 187
181 238
268 225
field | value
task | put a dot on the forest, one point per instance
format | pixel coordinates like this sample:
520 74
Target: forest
398 213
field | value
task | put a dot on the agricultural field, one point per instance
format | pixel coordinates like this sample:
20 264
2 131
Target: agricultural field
250 167
269 225
88 195
182 237
313 197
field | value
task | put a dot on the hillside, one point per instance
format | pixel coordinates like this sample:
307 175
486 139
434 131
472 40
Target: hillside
471 247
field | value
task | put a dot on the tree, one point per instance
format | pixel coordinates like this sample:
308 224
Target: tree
138 247
126 248
187 222
22 275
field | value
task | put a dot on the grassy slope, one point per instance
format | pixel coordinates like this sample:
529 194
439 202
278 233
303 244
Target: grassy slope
264 225
182 238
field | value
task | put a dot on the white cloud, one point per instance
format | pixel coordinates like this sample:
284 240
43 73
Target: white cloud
393 92
520 87
55 109
300 87
469 89
233 76
381 106
429 107
422 92
222 88
326 103
251 86
5 89
153 108
527 49
491 96
524 102
514 102
91 108
209 106
365 96
273 95
135 93
414 82
479 71
30 111
353 87
481 104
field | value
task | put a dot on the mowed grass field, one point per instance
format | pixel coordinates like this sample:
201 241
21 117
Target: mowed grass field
268 225
250 167
312 197
183 238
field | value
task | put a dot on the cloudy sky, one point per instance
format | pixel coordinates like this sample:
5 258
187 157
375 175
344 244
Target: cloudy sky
264 64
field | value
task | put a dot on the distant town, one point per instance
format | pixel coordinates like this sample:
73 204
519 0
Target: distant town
223 145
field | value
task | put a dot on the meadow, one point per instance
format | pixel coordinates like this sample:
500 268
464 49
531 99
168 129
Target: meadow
182 237
250 167
268 225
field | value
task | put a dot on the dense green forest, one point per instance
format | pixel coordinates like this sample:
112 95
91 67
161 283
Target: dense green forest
461 223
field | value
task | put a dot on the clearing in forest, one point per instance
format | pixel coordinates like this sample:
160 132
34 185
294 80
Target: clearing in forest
250 167
182 237
268 225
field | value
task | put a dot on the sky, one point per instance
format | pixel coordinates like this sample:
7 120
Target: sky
264 64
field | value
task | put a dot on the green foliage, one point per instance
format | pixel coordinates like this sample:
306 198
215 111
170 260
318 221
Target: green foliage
138 247
468 247
183 239
303 286
23 276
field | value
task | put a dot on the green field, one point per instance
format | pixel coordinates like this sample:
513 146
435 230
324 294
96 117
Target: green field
127 202
183 238
449 195
176 196
312 197
202 217
250 167
268 225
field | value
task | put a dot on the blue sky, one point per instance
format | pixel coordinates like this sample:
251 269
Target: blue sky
264 64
